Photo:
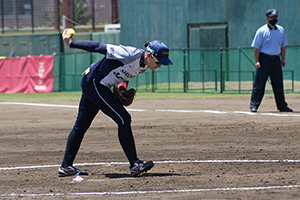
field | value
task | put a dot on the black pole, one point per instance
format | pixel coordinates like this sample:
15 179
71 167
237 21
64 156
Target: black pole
2 15
221 72
112 11
58 16
93 15
59 73
184 71
153 80
32 19
17 15
73 13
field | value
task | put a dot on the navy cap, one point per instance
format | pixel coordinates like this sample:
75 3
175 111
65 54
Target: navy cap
271 12
160 51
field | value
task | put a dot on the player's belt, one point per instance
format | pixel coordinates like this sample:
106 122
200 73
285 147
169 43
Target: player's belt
86 72
269 56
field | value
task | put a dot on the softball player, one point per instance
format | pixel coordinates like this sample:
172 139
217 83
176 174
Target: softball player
121 63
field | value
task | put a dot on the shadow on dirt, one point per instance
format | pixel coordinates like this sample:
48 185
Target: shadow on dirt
141 175
282 112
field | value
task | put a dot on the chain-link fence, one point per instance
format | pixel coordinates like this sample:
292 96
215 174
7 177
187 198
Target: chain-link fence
50 15
228 70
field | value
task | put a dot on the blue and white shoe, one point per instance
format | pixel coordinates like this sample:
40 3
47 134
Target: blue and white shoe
70 171
140 166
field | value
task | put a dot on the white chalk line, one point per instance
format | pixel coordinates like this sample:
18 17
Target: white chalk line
39 104
161 110
155 191
157 162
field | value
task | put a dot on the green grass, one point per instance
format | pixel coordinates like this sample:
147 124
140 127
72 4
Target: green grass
55 96
69 96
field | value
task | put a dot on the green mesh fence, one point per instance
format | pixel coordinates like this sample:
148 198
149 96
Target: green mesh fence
228 70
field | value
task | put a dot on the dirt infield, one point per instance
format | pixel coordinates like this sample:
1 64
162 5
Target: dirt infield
202 149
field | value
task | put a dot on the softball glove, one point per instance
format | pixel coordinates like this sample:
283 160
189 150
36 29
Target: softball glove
125 97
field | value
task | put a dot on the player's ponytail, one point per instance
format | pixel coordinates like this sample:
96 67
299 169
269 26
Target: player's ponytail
146 43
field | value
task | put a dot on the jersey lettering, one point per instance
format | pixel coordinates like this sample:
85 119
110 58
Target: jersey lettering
118 75
126 73
130 59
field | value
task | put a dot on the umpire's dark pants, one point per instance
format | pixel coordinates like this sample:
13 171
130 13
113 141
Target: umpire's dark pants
270 66
97 97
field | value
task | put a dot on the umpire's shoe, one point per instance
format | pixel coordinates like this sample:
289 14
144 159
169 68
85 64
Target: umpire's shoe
140 166
70 171
286 109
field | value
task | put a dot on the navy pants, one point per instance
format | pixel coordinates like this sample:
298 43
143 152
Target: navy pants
269 67
97 97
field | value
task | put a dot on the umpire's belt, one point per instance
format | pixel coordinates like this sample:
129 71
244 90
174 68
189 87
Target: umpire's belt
86 72
269 56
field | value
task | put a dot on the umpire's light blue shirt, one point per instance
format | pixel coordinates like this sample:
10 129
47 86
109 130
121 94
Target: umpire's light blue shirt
269 41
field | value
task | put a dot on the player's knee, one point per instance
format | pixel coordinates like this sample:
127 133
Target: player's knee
126 119
82 128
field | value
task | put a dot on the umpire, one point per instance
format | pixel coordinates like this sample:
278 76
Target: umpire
269 42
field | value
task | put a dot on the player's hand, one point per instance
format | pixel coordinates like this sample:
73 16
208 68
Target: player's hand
283 63
66 37
257 65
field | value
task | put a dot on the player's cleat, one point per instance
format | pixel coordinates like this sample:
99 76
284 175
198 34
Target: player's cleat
70 171
140 166
253 109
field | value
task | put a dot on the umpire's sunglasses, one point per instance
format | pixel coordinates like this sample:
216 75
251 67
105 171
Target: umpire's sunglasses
155 59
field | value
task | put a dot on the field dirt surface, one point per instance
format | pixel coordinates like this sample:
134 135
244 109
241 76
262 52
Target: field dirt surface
210 148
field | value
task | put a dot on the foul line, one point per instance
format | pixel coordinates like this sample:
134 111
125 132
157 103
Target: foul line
39 104
158 162
155 191
161 110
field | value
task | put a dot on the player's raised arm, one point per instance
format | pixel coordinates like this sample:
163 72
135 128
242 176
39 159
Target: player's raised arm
91 46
